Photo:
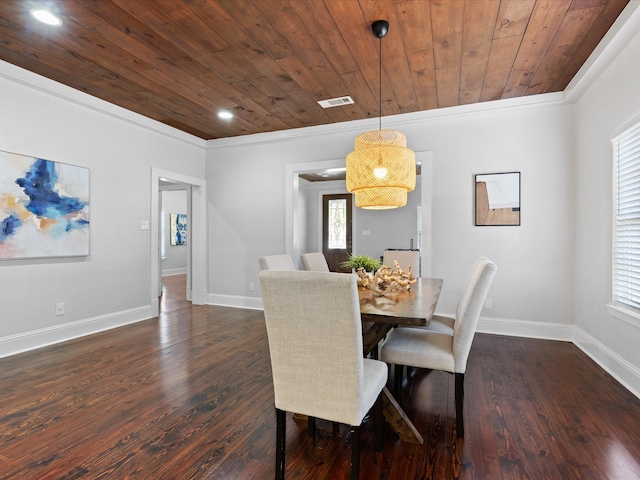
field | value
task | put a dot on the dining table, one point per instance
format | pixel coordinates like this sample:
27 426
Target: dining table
380 313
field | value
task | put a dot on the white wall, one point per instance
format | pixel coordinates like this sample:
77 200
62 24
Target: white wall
308 194
606 109
387 228
111 286
175 260
246 217
535 260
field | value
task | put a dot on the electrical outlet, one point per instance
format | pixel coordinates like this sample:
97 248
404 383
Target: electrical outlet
59 309
488 303
251 287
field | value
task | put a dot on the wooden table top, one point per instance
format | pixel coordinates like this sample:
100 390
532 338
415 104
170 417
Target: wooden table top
413 307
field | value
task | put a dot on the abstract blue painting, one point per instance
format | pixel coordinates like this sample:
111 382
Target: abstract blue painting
178 228
44 208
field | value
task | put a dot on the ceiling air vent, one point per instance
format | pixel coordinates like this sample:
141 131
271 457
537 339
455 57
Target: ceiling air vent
336 102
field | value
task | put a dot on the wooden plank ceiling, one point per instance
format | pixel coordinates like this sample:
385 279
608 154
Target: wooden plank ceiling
270 61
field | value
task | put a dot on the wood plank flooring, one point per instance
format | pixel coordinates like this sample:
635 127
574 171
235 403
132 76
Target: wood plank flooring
188 395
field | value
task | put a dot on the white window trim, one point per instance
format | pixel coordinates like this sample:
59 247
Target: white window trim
626 315
624 297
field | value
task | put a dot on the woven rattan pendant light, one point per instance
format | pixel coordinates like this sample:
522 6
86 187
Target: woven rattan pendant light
381 169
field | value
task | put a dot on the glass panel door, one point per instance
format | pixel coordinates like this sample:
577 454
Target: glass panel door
336 230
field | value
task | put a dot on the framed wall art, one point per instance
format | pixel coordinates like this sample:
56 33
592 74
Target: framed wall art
44 208
178 228
498 199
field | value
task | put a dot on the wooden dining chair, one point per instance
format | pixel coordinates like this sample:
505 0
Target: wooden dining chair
437 348
277 262
315 262
315 342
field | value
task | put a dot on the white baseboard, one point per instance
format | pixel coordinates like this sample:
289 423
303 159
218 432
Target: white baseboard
23 342
174 271
527 329
624 372
199 297
236 301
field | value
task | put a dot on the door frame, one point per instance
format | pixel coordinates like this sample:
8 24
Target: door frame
197 239
321 195
294 229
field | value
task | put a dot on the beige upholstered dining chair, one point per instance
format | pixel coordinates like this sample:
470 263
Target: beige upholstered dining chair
446 343
316 262
440 323
315 342
277 262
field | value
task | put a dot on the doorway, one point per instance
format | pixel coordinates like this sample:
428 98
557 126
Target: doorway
295 221
337 237
196 274
174 235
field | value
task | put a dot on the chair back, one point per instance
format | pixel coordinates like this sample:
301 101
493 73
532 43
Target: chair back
277 262
405 259
315 342
470 305
314 262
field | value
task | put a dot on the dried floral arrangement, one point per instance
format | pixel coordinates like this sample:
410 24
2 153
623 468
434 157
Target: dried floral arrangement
386 279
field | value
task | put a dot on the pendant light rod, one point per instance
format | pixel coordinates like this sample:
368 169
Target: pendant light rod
380 89
380 28
381 169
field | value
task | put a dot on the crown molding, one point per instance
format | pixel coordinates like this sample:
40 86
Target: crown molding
626 26
392 121
618 36
38 82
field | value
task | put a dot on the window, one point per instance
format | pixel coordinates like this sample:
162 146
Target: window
626 221
338 223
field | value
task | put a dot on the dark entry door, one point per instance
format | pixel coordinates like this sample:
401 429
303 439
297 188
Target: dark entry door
336 230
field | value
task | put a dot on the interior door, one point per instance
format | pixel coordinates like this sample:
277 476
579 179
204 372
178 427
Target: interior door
336 230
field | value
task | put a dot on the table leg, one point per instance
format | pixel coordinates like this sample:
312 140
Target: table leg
399 420
371 337
394 414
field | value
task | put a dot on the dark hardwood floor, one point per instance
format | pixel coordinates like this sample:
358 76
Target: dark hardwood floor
188 396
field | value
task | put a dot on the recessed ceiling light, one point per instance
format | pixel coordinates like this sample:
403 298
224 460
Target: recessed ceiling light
225 114
46 17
